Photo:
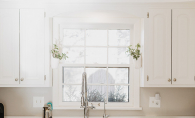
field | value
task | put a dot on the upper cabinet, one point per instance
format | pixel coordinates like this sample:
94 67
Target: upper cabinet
32 46
158 47
22 59
183 46
9 46
169 48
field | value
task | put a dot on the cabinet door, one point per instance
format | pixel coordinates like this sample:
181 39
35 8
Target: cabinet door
183 46
31 46
158 47
9 46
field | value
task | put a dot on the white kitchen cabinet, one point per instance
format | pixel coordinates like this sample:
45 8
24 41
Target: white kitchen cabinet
170 48
32 46
9 46
183 46
22 48
158 48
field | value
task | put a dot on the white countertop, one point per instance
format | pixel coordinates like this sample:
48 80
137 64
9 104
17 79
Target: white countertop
101 117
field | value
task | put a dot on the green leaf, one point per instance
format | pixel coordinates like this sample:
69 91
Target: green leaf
135 53
56 53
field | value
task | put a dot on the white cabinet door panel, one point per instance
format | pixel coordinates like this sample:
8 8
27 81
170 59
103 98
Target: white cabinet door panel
9 46
32 46
158 47
183 46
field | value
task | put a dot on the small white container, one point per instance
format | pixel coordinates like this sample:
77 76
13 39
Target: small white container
54 62
138 62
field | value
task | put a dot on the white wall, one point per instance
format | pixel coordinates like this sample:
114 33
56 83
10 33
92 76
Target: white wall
18 101
175 101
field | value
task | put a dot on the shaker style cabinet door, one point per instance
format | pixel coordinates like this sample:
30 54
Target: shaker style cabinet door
9 46
158 48
32 46
183 46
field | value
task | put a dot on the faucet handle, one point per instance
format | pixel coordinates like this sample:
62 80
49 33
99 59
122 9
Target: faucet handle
92 107
105 116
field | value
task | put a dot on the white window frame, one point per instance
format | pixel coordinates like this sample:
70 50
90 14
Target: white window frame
64 23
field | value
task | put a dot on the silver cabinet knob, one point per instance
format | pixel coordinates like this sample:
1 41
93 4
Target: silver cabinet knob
169 80
174 79
22 79
16 79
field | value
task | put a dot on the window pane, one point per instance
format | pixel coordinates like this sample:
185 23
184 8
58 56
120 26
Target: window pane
96 75
96 55
96 37
118 94
96 93
73 37
75 55
98 78
119 37
71 93
117 56
118 75
72 75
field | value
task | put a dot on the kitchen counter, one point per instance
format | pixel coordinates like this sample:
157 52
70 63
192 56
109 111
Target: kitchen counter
101 117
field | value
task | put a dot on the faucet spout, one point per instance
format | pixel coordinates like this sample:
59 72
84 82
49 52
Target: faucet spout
84 99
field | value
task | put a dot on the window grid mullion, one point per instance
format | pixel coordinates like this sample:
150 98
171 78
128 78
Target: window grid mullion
98 84
70 84
107 68
85 51
97 46
111 84
129 70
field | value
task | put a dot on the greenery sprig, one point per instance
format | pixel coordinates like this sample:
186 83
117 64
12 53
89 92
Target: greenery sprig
135 53
56 53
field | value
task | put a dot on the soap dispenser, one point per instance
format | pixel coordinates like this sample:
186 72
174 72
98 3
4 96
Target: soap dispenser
47 111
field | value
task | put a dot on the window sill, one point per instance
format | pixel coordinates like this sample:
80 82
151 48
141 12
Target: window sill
100 108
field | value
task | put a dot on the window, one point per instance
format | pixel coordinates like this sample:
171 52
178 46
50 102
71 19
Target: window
101 54
97 48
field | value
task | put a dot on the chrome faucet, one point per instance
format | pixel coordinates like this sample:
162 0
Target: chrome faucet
84 100
104 115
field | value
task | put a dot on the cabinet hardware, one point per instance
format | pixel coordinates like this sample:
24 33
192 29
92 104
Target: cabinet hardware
174 79
22 79
169 80
147 14
44 77
147 78
16 79
194 78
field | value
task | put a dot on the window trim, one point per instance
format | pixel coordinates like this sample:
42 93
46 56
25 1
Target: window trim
134 74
